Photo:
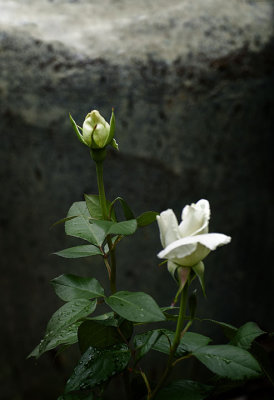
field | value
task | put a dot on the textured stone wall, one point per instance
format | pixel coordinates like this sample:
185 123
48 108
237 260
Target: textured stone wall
192 84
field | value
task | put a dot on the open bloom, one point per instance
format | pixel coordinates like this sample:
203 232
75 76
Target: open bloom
188 243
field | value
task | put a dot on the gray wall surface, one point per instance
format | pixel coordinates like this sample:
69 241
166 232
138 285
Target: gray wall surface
192 84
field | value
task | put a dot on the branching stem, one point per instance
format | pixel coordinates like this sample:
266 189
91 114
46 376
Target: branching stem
178 335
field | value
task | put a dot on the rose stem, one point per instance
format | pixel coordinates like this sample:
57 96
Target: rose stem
103 204
176 341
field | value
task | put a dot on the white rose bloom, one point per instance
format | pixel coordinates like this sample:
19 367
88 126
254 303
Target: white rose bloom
188 243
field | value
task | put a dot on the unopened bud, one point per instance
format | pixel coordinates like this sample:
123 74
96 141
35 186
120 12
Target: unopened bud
97 133
96 130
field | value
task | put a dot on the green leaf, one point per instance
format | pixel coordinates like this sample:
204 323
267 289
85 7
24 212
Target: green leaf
113 240
108 318
135 306
85 250
199 270
115 228
172 317
97 366
229 330
97 334
263 354
229 361
69 313
75 127
92 230
146 218
246 334
94 207
69 287
62 326
145 342
102 228
81 226
66 336
184 390
190 342
126 209
61 221
123 228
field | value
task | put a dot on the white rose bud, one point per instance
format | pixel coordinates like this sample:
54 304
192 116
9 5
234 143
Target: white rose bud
188 243
97 133
96 130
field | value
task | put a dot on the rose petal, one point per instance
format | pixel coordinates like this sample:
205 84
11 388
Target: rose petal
100 135
168 226
195 219
179 250
198 246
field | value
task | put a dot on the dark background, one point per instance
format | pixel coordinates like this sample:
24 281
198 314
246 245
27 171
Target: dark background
196 124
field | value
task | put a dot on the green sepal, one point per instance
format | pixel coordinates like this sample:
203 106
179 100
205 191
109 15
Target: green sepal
182 275
199 270
172 269
112 128
114 144
75 127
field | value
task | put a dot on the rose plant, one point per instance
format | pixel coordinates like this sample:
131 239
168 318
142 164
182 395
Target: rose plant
109 342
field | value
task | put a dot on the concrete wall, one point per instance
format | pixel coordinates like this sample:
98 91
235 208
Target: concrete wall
192 86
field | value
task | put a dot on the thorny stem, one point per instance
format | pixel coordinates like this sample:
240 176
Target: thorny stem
178 335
